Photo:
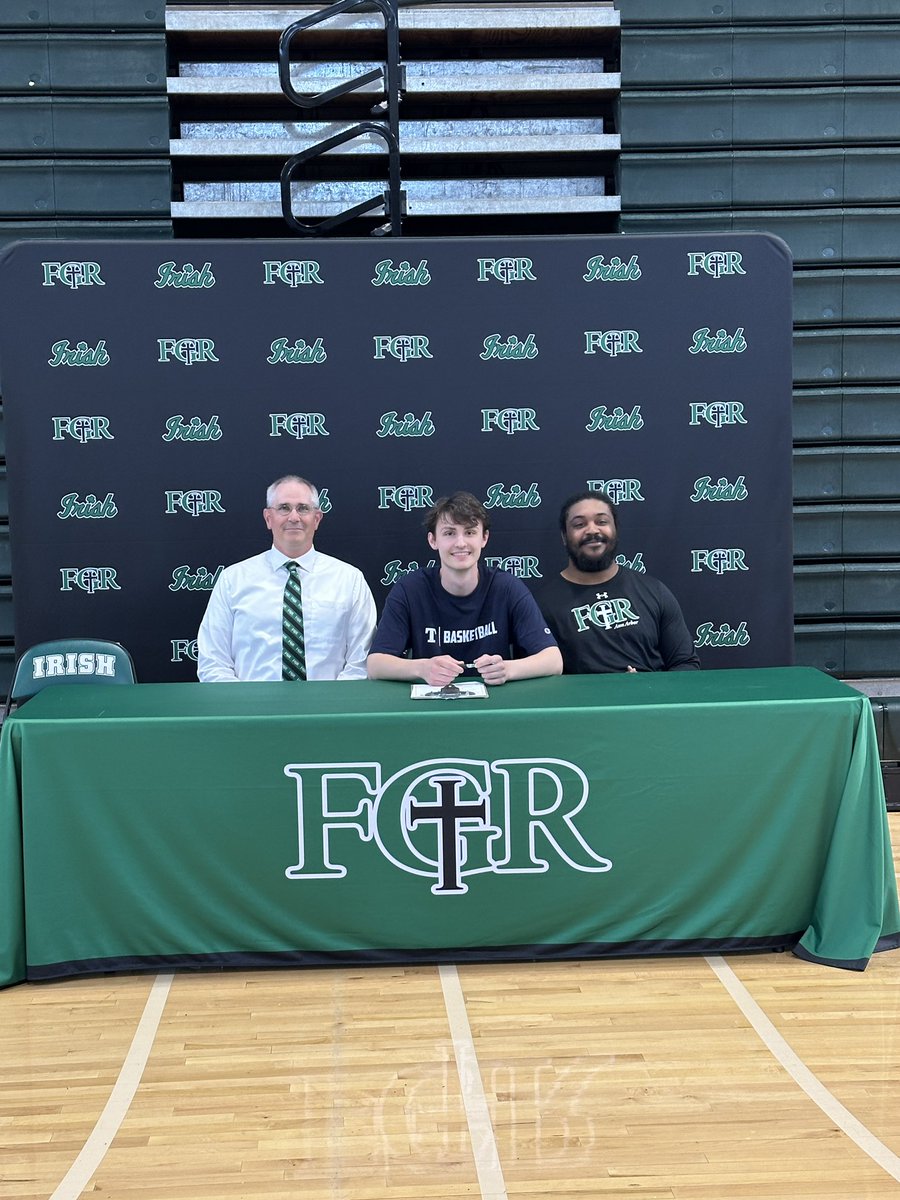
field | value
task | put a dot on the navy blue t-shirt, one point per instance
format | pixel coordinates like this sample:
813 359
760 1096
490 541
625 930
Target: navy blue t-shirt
499 617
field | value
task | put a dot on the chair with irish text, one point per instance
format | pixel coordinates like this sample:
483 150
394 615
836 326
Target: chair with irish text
67 661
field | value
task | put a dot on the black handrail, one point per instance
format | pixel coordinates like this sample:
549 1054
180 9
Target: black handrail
389 130
316 18
318 227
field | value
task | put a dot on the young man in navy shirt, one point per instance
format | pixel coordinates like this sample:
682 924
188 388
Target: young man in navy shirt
460 616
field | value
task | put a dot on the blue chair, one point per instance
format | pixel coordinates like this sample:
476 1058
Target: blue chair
68 660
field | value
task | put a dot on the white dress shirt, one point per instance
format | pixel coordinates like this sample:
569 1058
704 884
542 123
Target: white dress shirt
240 635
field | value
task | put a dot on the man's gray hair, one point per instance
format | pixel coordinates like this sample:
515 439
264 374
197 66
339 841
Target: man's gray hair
273 487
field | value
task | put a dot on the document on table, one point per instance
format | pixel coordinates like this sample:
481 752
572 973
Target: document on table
466 689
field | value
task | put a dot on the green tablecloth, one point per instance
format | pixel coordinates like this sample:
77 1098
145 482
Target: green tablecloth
247 824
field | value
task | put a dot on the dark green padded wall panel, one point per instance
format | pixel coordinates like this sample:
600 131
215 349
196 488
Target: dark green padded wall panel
847 472
84 188
104 15
43 125
837 414
731 58
768 12
82 62
848 589
849 356
767 117
851 531
847 297
747 179
851 648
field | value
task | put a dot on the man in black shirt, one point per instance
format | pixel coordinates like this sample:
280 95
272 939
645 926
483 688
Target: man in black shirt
606 617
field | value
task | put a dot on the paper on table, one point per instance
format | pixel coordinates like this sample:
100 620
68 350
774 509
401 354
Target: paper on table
466 689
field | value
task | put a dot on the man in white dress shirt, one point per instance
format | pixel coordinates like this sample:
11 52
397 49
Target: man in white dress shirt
240 636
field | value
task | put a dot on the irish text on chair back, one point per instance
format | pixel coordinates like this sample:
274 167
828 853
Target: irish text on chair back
68 660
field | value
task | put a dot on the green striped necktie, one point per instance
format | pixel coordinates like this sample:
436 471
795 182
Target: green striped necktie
293 653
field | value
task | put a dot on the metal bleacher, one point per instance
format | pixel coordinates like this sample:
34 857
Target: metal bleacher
508 116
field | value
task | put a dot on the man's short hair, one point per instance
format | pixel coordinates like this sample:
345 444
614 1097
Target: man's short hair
462 508
273 487
587 495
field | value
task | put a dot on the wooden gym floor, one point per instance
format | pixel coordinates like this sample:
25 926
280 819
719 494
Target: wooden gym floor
758 1077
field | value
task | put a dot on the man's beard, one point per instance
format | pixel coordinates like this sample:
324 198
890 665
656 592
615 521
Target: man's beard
590 563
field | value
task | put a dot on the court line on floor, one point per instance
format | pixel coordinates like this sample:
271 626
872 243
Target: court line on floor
801 1074
94 1149
481 1131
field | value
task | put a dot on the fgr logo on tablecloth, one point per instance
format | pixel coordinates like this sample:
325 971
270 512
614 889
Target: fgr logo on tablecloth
444 819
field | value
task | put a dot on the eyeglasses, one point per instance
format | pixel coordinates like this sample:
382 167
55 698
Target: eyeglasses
285 510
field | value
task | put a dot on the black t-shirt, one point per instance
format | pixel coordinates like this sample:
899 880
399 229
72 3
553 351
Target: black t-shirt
632 620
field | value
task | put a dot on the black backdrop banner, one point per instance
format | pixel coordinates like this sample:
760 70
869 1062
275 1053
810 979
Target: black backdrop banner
152 390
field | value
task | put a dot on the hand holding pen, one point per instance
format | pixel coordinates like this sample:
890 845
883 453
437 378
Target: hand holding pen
441 670
491 667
